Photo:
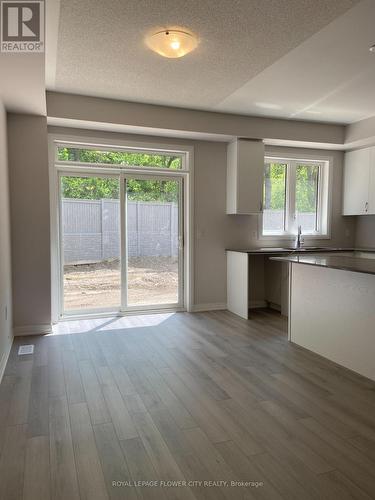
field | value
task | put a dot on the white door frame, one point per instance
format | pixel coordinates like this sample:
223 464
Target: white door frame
70 168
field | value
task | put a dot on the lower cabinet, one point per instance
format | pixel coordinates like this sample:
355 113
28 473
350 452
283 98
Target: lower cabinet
255 281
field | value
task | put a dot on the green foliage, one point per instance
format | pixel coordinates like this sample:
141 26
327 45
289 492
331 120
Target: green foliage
274 186
97 188
119 158
306 187
89 188
162 191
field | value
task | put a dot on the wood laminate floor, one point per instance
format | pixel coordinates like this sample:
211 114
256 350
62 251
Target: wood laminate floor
167 406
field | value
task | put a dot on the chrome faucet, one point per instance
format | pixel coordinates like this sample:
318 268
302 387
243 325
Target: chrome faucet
299 238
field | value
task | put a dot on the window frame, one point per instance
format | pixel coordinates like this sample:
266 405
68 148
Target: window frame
323 202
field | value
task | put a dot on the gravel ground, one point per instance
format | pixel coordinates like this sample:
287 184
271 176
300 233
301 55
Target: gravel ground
152 280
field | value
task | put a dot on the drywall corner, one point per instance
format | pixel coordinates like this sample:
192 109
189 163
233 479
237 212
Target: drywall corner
6 335
30 219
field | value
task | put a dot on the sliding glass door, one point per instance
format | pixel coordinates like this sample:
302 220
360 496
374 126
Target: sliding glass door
120 242
90 242
153 241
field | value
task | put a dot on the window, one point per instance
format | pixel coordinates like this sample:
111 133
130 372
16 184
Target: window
123 158
123 232
274 197
307 197
295 193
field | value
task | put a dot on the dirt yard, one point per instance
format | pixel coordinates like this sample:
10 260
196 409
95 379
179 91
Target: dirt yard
152 280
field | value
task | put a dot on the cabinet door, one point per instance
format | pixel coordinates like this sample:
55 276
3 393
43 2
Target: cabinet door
238 283
245 177
356 182
371 195
250 177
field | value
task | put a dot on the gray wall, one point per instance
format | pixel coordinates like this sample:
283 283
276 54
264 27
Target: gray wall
94 112
361 133
365 231
214 230
5 248
30 220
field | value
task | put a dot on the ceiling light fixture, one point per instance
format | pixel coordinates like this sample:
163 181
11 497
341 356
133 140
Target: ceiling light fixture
372 48
172 43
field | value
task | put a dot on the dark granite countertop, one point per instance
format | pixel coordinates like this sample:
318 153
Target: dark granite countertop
358 261
287 250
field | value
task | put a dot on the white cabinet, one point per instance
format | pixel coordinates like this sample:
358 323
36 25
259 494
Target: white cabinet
371 194
359 182
245 168
238 283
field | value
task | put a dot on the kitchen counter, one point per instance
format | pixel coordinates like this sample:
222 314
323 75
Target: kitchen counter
255 280
331 310
356 261
287 250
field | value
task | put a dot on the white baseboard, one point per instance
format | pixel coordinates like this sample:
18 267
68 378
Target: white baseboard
255 304
4 359
20 331
219 306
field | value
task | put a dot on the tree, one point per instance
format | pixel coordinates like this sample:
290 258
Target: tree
120 158
306 187
307 177
96 188
274 186
89 188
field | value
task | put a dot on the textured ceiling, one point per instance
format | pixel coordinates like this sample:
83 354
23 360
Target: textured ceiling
100 51
329 77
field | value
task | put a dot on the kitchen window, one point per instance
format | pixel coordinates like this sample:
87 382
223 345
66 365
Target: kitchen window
295 193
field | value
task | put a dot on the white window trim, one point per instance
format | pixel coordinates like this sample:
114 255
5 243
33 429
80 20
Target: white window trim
325 196
55 168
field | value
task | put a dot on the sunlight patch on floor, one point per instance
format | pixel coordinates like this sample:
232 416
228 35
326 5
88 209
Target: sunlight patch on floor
109 324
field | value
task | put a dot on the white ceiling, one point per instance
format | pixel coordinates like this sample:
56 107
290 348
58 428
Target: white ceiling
302 59
329 77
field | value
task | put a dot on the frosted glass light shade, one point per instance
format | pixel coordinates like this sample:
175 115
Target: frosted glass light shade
172 43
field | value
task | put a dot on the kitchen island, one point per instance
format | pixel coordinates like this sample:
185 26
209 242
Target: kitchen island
332 307
254 281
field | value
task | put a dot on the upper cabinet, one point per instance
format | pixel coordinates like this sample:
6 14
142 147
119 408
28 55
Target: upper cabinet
245 170
359 182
